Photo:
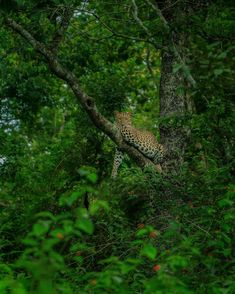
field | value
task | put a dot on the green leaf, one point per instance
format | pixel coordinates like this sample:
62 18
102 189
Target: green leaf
70 199
149 251
218 71
142 232
186 70
177 261
137 242
30 242
109 260
225 202
5 270
223 55
97 205
18 289
92 178
83 171
57 257
82 213
45 214
85 225
229 216
177 67
41 228
129 265
117 279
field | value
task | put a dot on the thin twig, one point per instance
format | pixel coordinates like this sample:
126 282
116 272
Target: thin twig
138 20
197 226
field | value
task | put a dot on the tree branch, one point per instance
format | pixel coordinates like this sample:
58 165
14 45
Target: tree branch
141 24
86 101
118 34
59 34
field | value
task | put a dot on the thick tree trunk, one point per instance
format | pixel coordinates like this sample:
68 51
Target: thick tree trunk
175 102
173 108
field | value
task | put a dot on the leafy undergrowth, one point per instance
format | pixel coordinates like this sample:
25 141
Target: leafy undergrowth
68 249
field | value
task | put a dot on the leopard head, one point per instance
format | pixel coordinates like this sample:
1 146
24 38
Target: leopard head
123 118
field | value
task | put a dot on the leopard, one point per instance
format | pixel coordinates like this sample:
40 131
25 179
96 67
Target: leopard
144 141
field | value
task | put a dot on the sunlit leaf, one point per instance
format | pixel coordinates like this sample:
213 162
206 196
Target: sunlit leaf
92 178
85 225
149 251
97 205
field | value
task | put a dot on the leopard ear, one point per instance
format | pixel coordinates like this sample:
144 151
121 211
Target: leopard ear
116 115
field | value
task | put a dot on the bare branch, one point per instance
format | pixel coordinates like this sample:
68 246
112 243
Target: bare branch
59 34
120 35
138 20
86 101
159 13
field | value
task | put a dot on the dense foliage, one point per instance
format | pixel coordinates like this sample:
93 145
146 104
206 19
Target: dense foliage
66 227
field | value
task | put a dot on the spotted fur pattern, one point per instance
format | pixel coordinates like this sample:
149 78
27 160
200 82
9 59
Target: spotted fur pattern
144 141
117 162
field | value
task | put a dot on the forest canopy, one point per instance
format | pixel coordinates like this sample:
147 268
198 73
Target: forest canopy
164 221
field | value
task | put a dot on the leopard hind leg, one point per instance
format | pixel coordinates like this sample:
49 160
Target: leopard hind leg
117 162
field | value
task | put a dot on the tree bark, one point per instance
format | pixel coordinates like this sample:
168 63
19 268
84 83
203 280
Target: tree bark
174 102
174 105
